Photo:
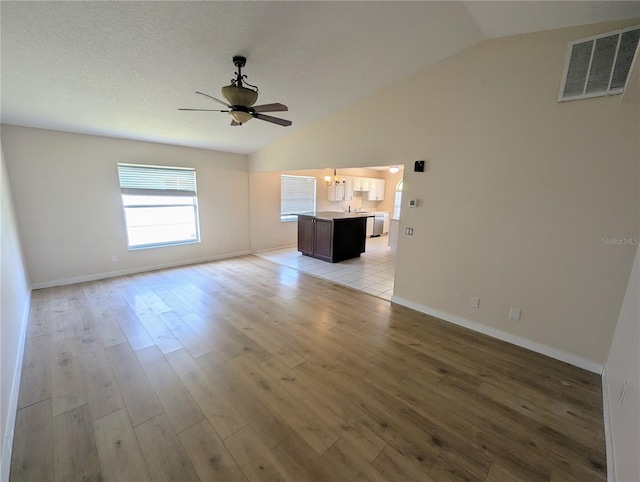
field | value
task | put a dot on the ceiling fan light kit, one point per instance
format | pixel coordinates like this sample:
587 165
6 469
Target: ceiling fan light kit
240 117
240 100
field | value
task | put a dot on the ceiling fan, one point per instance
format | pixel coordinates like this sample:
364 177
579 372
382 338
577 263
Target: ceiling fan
240 100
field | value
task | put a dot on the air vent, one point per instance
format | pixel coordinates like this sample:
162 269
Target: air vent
599 65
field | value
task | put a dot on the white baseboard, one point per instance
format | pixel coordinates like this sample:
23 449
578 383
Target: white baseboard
7 437
113 274
504 336
608 434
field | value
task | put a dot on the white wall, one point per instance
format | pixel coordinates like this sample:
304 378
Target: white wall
14 302
68 205
518 193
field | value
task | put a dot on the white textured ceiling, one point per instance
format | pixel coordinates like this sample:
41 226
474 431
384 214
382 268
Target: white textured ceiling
124 68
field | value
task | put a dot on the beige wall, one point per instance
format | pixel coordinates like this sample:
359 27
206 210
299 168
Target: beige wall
268 232
14 302
68 203
518 193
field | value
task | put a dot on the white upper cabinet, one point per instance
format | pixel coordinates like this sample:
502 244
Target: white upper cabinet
348 188
361 183
341 190
376 189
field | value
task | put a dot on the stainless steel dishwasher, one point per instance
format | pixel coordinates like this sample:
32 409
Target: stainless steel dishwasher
378 225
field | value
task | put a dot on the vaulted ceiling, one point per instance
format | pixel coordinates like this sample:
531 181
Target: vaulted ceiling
124 68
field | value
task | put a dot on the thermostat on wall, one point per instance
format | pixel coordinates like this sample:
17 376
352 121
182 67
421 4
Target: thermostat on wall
413 203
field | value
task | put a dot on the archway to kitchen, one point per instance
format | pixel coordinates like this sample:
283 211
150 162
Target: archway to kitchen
372 190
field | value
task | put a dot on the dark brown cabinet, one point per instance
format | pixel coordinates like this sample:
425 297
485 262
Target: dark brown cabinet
323 240
306 233
333 236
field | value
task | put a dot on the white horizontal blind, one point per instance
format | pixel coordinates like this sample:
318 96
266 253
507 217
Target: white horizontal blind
599 65
160 205
148 180
297 196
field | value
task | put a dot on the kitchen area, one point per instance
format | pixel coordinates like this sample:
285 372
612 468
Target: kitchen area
354 190
380 196
359 205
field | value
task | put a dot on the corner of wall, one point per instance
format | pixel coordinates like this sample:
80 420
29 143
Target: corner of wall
608 435
620 386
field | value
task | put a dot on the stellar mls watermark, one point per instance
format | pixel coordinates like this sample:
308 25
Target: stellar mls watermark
621 241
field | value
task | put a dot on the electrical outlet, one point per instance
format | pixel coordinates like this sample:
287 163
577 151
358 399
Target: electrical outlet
408 231
114 257
475 302
514 314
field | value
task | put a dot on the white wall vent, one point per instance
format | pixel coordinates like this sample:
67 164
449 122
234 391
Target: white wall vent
599 65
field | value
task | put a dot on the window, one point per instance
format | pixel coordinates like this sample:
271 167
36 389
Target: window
599 65
397 204
297 196
160 205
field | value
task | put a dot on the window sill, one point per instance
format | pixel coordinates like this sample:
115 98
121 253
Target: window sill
161 245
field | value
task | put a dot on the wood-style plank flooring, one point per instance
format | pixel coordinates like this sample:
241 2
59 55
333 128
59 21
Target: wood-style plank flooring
247 370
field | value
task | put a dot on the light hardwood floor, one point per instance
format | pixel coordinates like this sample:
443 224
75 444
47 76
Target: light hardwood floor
247 370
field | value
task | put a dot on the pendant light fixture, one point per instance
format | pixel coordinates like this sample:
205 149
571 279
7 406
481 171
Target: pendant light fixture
332 180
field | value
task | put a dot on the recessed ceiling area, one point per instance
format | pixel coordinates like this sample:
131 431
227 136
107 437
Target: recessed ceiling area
123 69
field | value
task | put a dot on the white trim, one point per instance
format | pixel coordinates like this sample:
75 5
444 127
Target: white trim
504 336
608 433
113 274
7 437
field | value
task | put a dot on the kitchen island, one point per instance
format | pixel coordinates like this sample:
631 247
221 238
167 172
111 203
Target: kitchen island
332 236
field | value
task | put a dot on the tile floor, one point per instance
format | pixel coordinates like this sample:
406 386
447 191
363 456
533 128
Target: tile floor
373 272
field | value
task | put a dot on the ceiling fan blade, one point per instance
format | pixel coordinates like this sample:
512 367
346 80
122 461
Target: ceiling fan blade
270 108
206 110
213 98
273 120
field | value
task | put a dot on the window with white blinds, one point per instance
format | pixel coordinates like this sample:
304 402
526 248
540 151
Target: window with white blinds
160 205
599 65
297 196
